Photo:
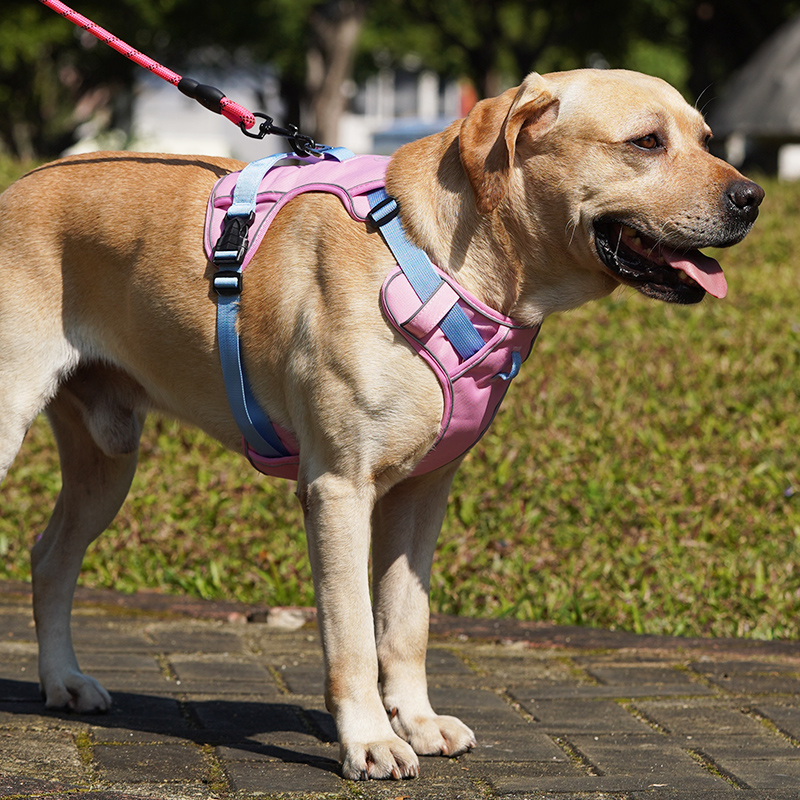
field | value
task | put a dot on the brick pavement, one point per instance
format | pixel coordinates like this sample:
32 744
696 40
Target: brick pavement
209 705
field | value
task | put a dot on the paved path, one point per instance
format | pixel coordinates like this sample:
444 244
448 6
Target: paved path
211 704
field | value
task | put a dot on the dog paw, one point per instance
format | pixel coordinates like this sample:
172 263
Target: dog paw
76 692
434 735
389 759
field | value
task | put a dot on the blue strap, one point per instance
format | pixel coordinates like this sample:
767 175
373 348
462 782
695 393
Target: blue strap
417 267
254 424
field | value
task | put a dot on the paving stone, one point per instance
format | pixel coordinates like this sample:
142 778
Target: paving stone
277 777
786 718
133 706
188 669
525 668
304 678
776 772
696 719
516 743
758 684
716 793
578 716
444 662
321 721
55 790
271 723
222 676
145 763
644 675
252 750
38 753
760 745
194 641
147 683
120 662
591 787
725 669
20 691
652 756
169 734
447 700
621 692
18 667
33 716
104 639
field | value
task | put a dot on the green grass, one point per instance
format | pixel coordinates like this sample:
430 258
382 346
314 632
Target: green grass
640 475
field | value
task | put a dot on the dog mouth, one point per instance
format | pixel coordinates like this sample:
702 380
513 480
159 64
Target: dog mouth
675 275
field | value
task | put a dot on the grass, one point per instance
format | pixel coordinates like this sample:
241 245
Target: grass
642 474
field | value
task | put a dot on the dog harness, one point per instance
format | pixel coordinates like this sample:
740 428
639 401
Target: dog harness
473 350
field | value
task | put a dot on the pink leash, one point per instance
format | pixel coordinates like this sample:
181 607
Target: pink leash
208 96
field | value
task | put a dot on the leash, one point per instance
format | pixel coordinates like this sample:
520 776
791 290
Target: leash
208 96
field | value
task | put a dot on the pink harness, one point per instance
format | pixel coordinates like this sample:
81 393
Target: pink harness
472 388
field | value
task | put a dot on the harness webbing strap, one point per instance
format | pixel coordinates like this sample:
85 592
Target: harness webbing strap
417 267
255 425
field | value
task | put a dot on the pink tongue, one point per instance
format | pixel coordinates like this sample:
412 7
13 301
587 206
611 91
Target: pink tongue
705 270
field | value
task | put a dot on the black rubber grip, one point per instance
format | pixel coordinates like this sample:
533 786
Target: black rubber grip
208 96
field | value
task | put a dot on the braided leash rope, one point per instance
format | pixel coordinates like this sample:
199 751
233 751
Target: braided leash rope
208 96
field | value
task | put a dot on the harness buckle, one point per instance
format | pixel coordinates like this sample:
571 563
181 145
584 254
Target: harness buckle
384 212
227 282
232 244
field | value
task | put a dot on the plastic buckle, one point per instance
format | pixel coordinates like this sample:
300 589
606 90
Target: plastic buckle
228 282
232 244
384 219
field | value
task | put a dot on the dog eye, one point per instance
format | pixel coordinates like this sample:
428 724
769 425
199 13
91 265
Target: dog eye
649 142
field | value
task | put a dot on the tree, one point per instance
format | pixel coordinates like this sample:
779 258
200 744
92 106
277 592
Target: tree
691 43
54 78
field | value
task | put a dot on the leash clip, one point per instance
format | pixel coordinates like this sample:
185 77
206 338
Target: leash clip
301 144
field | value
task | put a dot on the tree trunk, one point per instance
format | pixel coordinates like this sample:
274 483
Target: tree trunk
335 27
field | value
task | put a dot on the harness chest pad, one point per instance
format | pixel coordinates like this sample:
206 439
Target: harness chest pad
472 388
351 181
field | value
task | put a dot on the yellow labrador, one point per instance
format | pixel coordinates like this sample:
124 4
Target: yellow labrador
552 194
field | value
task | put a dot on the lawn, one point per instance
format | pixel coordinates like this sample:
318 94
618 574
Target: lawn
642 474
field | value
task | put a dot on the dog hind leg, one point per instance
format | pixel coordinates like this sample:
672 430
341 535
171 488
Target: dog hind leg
406 527
97 429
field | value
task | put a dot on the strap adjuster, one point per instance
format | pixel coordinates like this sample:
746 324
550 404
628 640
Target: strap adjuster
384 212
227 282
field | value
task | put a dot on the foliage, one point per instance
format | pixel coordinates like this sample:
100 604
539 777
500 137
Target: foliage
55 78
642 474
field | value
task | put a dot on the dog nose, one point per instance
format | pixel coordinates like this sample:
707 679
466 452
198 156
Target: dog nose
745 197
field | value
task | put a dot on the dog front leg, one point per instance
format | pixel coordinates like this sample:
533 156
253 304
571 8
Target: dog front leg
407 523
338 515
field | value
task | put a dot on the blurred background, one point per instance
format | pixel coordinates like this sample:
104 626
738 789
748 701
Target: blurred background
372 75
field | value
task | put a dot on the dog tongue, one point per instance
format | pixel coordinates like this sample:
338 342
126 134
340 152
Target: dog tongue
705 270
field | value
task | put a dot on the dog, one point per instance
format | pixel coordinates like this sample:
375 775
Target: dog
543 198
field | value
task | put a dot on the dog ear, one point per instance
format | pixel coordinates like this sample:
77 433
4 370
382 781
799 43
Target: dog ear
488 136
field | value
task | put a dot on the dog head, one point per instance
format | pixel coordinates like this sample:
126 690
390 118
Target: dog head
608 172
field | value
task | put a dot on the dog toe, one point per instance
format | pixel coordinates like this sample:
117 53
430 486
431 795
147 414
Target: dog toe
380 760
